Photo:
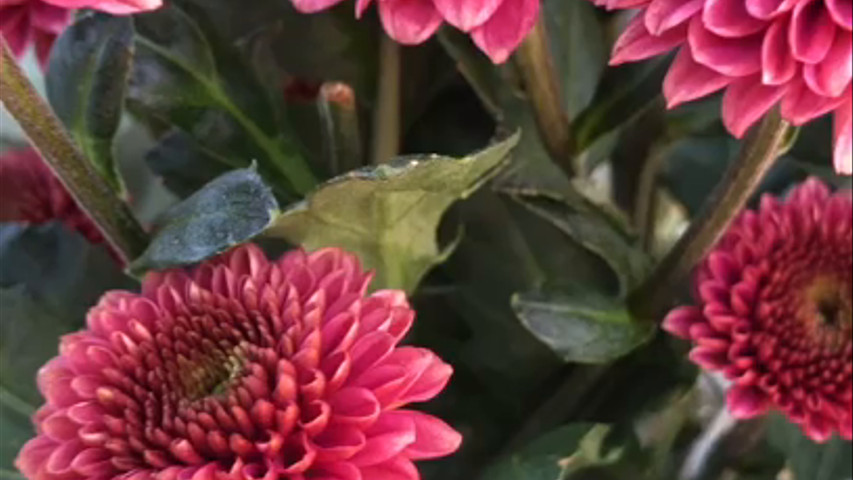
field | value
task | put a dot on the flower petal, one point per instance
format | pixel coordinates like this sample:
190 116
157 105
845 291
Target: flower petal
506 29
409 22
434 438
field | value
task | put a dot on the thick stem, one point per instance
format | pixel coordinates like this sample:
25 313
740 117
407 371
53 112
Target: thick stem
541 83
386 119
49 137
759 152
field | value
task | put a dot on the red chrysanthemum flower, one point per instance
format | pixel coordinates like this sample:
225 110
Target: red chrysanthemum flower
497 27
31 193
39 22
242 369
763 52
25 22
775 311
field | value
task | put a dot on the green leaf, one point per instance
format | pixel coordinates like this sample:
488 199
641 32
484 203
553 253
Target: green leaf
56 266
226 212
389 214
86 82
177 81
600 231
584 328
327 46
623 92
807 459
579 47
184 165
558 454
29 333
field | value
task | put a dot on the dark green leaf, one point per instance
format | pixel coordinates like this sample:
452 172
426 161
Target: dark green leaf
807 459
332 46
559 454
29 333
57 267
86 83
594 228
623 92
389 214
177 81
184 165
228 211
579 50
584 328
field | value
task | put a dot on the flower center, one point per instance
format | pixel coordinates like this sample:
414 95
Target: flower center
214 376
828 311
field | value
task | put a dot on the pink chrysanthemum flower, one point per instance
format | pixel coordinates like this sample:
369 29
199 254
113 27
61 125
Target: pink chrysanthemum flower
763 52
775 311
39 22
496 26
31 193
242 369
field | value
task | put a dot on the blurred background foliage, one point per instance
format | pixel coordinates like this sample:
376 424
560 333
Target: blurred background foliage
518 272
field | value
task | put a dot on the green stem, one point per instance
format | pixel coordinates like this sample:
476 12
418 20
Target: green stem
541 83
50 138
340 128
386 119
764 145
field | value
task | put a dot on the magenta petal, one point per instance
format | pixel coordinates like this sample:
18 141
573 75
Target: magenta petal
747 402
767 9
687 80
467 14
506 29
115 7
663 15
15 28
679 321
398 468
48 18
778 65
409 22
392 433
361 6
735 57
843 133
636 43
831 76
729 18
434 438
842 13
812 31
801 105
313 6
746 101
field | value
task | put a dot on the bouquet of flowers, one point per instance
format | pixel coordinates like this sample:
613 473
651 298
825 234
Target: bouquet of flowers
426 239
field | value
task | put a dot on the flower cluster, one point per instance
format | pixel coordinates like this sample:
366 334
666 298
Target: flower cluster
31 193
39 22
775 311
244 368
797 53
496 26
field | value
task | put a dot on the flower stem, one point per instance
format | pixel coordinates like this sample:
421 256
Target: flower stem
341 133
764 145
542 85
49 137
386 119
